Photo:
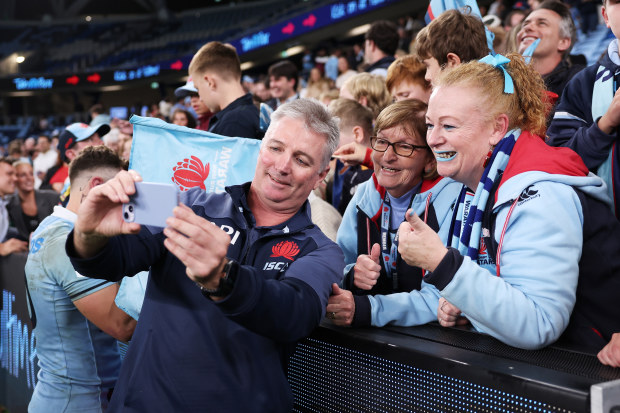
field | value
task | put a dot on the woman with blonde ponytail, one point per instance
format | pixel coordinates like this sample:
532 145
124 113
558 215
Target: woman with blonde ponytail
530 221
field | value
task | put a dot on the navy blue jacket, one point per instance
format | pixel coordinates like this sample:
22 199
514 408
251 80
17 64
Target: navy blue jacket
380 66
239 119
575 121
556 80
190 354
572 123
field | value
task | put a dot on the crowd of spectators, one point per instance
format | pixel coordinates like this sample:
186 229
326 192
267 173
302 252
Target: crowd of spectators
434 130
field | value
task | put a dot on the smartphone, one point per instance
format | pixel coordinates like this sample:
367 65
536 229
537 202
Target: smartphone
152 204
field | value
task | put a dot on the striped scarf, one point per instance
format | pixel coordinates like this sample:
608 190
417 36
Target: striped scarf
466 225
602 95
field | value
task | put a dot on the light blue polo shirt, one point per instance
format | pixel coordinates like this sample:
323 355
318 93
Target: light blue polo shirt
78 362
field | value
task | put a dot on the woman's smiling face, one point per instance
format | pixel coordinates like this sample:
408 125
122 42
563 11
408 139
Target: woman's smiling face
399 174
459 134
25 177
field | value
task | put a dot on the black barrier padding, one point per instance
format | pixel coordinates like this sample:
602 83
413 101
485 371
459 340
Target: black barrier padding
411 370
553 357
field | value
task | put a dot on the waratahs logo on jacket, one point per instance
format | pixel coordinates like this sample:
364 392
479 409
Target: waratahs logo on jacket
483 248
283 249
190 173
483 254
528 194
286 249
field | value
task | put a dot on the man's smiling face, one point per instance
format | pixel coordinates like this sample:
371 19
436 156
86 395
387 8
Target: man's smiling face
543 24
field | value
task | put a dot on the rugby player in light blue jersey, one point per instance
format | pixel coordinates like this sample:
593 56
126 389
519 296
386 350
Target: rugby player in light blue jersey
77 322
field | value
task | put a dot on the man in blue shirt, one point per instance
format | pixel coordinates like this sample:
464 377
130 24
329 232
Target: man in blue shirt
76 320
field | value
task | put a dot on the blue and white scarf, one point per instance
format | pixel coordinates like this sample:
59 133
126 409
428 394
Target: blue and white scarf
602 95
466 225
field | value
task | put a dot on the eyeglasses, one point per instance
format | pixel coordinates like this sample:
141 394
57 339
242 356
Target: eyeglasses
402 149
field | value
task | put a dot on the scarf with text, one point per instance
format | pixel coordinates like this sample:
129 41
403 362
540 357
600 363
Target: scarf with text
466 224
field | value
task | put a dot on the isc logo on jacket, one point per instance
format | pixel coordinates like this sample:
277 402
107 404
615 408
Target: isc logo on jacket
286 251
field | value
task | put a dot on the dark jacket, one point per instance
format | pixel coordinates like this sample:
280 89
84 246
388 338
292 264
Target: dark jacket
239 119
45 201
352 177
558 78
380 66
574 126
191 354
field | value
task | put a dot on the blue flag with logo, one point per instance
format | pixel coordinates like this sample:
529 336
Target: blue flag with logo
436 7
163 152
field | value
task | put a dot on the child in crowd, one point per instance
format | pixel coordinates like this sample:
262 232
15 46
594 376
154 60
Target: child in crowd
355 126
449 40
367 89
405 79
216 72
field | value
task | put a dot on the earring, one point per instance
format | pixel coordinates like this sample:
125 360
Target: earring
489 155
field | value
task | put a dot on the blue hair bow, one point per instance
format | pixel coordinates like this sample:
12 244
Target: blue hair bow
499 61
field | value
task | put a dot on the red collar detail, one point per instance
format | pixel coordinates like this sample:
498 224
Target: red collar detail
381 191
378 187
428 184
531 153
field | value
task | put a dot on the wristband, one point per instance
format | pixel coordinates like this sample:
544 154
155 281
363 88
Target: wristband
227 282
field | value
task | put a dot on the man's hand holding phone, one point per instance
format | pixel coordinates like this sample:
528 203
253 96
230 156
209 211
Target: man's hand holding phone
152 203
100 214
198 244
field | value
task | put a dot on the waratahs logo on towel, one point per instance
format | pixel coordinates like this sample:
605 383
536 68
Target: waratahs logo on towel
190 173
286 249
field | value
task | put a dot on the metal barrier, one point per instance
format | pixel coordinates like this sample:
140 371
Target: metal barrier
435 369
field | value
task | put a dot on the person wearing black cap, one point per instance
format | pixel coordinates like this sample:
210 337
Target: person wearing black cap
202 111
72 141
78 136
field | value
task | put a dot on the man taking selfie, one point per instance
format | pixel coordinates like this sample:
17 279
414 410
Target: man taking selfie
221 313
